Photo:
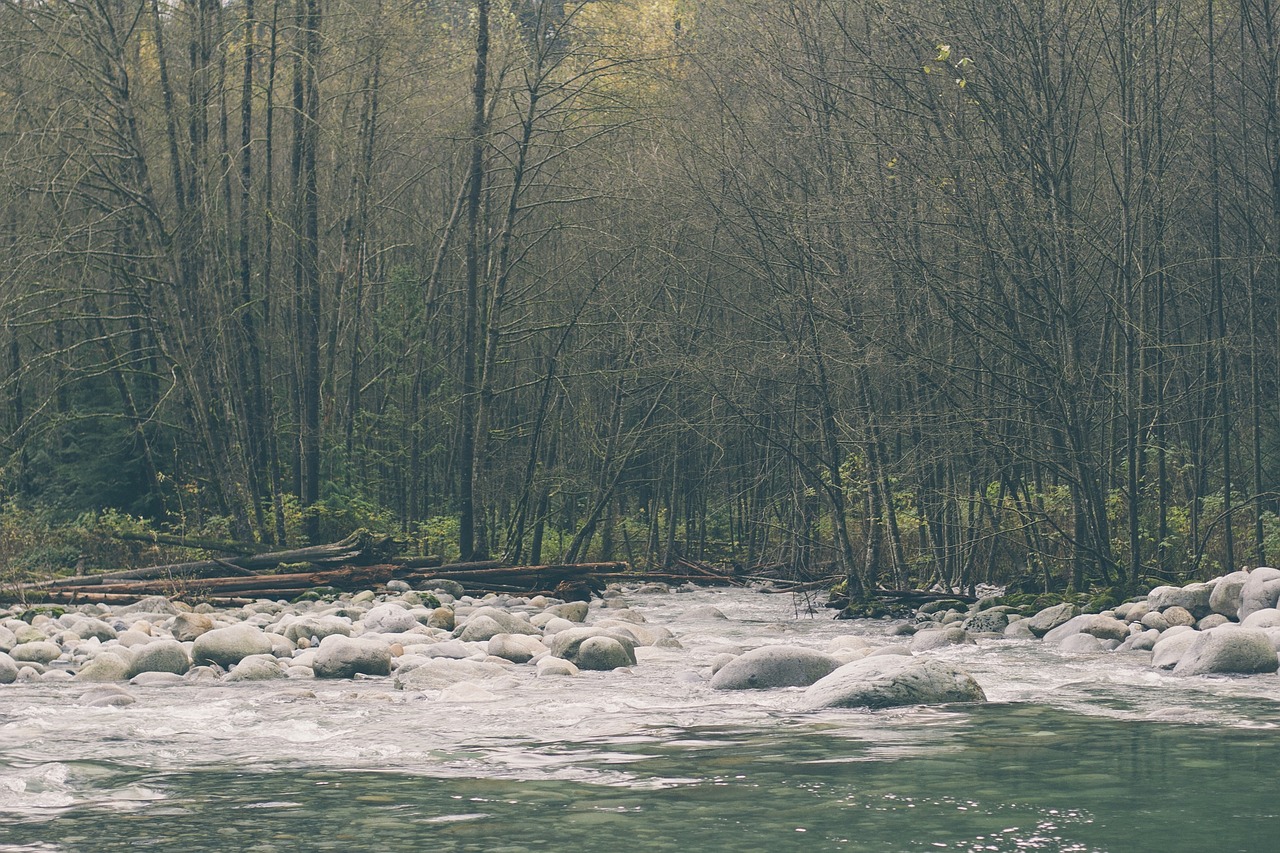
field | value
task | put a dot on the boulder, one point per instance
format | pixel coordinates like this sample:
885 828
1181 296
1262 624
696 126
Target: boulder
439 673
107 666
1094 624
1194 597
160 656
1213 620
8 669
42 651
1268 618
1170 648
318 627
187 626
389 619
1259 592
228 646
987 622
566 643
257 668
1178 615
774 666
603 654
1154 619
549 666
1019 630
1225 598
954 635
94 629
346 657
1051 617
1081 644
517 648
1143 641
1229 649
892 681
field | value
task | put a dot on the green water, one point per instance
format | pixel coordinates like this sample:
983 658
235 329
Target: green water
1002 777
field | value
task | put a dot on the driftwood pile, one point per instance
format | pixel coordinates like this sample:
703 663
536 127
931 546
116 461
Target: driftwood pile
361 561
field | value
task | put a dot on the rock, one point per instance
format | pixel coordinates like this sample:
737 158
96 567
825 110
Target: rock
1226 595
450 588
41 651
1268 618
478 624
643 635
1051 617
1020 630
160 656
389 619
566 643
479 628
1154 619
549 666
456 649
187 626
774 666
574 611
1260 591
1213 620
1170 648
1143 641
987 622
1177 615
439 673
105 667
441 617
1081 644
397 586
156 679
257 668
1229 649
603 653
1194 598
94 629
892 681
1094 624
923 641
345 657
517 648
8 639
8 669
318 627
228 646
151 604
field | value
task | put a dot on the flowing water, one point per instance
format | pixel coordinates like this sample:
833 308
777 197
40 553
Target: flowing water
1073 753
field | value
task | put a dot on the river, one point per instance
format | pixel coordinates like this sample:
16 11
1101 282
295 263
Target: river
1072 753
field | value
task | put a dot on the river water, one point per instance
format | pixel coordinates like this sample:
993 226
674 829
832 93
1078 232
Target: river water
1073 753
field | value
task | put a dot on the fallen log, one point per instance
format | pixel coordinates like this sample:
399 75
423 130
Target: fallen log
359 549
190 542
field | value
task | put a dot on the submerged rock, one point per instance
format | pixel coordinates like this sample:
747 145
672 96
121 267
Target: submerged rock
774 666
892 681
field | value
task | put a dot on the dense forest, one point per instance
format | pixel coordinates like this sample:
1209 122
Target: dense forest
919 292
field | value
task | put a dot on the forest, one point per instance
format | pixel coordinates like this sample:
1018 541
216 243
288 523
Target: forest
910 292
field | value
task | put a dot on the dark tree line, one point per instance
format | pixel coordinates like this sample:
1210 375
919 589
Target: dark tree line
924 292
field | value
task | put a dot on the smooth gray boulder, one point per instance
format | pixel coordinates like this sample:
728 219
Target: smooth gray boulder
228 646
892 681
1051 617
317 627
107 666
1154 619
517 648
8 669
94 629
574 611
774 666
41 651
566 643
1019 630
602 654
1143 641
439 673
151 604
1213 620
952 635
1170 648
1081 644
257 668
1178 615
160 656
1094 624
1225 598
389 619
1268 618
1194 597
346 657
1260 592
8 639
1229 649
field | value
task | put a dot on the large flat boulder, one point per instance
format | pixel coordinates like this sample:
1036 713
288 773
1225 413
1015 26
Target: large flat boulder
891 681
774 666
1195 598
